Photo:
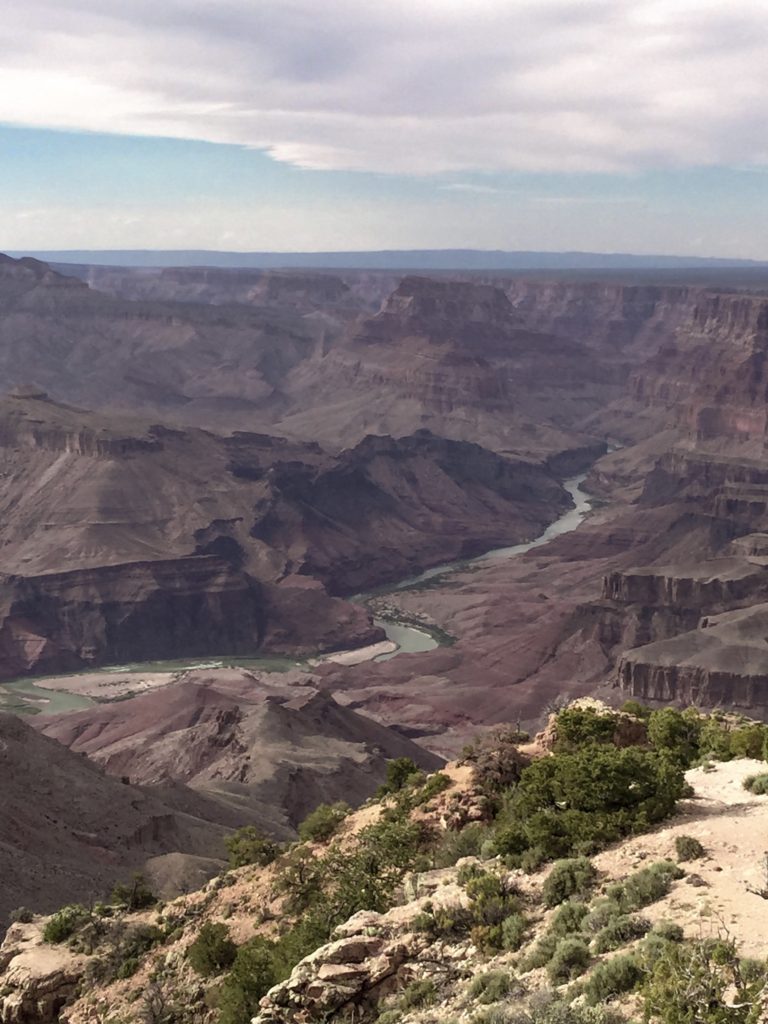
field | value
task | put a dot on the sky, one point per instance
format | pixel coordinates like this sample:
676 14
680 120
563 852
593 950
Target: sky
597 125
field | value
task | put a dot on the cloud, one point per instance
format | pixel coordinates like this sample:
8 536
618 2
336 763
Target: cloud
438 86
481 190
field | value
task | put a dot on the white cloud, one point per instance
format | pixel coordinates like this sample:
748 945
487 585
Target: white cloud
417 87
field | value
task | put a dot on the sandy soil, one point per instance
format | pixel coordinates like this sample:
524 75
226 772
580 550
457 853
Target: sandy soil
359 655
109 685
732 825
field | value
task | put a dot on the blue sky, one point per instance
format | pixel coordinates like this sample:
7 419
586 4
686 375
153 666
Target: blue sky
629 125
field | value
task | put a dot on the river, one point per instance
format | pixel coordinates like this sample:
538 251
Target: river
31 696
412 641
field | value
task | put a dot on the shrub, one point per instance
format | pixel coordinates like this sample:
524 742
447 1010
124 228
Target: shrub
715 740
253 974
466 843
21 915
497 763
134 895
676 733
601 915
434 785
574 877
401 772
688 848
757 784
548 1008
541 953
668 930
495 1015
748 740
513 930
491 987
619 932
578 727
568 918
570 959
612 978
587 799
248 846
64 923
321 824
635 708
645 886
213 951
704 982
127 968
417 994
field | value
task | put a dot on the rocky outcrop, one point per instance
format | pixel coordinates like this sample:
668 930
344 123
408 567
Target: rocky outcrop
371 956
722 663
709 378
38 980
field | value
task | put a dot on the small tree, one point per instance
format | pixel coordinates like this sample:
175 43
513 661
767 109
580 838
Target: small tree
400 772
213 951
248 846
253 974
703 982
134 895
321 824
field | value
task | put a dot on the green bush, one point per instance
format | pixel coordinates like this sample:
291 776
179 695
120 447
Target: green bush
434 785
546 1007
321 824
248 846
127 968
491 903
213 951
496 762
586 799
602 913
573 877
541 953
619 932
669 931
418 994
252 975
491 987
613 977
702 982
569 918
689 848
21 915
757 784
134 895
513 931
579 727
645 886
715 740
636 709
401 772
64 923
570 959
456 845
748 740
676 733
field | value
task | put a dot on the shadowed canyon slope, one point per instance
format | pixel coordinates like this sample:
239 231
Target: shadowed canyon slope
125 541
183 767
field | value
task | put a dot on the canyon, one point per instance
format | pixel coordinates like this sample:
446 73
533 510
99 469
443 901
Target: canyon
204 463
